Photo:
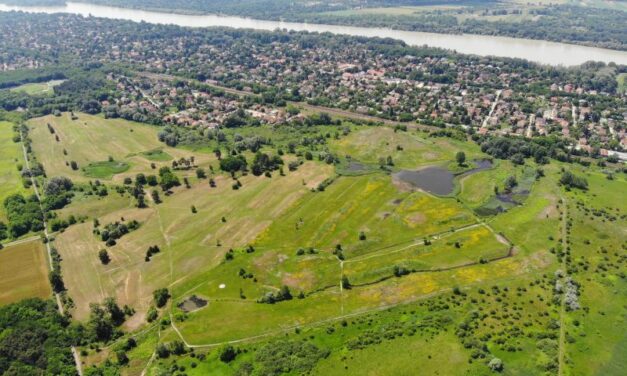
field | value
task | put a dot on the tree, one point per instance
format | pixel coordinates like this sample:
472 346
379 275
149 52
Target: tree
168 179
141 179
116 313
99 325
155 196
227 354
200 173
177 348
496 365
161 297
103 255
460 157
570 180
58 185
122 357
285 293
346 283
56 280
162 351
233 163
141 201
152 315
510 183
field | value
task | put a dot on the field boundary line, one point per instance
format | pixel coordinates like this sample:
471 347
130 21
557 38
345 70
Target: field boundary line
22 241
75 354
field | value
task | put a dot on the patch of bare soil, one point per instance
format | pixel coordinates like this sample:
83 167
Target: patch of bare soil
416 218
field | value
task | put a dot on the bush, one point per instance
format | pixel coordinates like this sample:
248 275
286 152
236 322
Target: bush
569 180
227 354
103 255
496 365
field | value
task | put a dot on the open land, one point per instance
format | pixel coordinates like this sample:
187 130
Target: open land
282 231
23 272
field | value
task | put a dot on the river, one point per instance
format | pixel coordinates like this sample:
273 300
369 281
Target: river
543 52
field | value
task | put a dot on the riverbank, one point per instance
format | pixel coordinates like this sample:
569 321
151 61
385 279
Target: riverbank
543 52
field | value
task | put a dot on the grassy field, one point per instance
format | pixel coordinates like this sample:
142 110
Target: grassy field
91 140
188 241
478 188
491 277
42 88
23 272
597 239
408 150
10 158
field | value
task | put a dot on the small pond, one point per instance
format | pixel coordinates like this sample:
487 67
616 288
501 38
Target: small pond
192 303
437 180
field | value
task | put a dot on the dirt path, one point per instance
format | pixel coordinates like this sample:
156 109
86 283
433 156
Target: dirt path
21 241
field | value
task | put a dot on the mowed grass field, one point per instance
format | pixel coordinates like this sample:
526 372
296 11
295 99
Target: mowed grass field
24 272
92 140
10 157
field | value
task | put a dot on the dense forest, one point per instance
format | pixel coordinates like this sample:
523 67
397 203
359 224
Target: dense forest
35 339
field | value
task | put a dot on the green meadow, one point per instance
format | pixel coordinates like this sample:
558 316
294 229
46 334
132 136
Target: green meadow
381 275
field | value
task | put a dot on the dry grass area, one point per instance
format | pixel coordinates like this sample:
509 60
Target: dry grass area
188 242
91 139
23 272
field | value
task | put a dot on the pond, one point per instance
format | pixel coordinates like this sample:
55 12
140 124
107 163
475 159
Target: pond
193 303
437 180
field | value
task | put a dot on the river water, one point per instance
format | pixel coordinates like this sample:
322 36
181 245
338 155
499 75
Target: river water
543 52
